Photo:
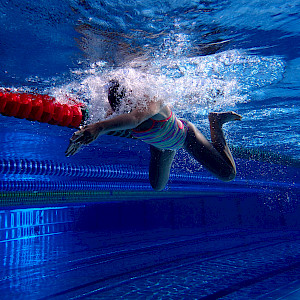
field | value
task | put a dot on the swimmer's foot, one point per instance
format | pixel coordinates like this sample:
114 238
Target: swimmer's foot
223 117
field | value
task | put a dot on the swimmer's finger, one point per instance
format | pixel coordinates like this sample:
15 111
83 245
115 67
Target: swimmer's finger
69 152
72 152
72 149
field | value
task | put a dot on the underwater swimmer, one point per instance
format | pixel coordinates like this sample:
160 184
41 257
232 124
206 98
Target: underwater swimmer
155 124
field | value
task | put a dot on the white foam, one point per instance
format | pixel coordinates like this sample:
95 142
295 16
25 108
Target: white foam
191 86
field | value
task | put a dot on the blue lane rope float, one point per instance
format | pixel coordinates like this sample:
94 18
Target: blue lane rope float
56 176
51 168
47 175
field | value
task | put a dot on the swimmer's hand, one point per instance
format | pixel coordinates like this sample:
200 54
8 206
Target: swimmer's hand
84 136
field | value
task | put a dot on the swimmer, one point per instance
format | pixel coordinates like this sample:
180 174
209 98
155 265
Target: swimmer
156 125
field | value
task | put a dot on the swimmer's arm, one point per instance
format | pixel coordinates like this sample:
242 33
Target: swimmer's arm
91 132
130 120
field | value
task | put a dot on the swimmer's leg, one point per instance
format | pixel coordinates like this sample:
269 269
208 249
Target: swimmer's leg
215 156
160 166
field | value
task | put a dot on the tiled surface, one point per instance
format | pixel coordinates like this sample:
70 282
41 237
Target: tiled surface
161 264
32 222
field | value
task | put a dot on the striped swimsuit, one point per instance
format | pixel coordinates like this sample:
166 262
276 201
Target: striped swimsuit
165 134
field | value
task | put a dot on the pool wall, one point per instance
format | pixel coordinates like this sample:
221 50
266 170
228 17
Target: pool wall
123 211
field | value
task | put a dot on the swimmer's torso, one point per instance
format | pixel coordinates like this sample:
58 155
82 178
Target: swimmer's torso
164 113
164 130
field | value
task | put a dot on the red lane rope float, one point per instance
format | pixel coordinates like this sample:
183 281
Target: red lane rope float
41 108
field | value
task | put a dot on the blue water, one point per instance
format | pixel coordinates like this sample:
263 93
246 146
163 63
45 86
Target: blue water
199 56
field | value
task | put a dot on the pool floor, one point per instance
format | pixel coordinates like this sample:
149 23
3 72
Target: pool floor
153 264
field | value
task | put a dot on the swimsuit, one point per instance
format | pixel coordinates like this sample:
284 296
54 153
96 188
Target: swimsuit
165 134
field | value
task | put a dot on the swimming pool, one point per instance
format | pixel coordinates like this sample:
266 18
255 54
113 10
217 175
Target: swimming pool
95 213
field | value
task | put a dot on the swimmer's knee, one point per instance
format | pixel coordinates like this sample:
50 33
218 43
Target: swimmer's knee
157 186
229 175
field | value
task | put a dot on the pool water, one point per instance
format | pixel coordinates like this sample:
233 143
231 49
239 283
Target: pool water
90 226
